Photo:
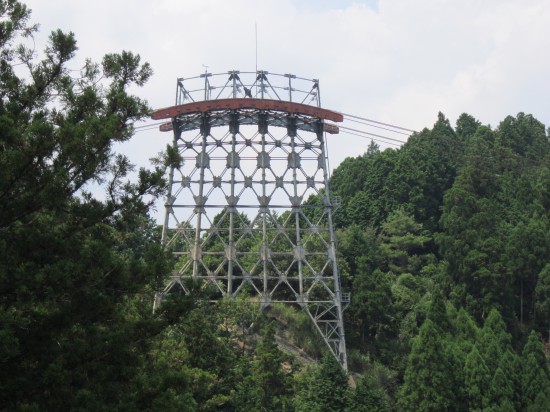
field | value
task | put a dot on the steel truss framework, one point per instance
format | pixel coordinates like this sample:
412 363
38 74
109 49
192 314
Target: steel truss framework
237 214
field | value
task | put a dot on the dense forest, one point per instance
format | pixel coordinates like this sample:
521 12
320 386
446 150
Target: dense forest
443 243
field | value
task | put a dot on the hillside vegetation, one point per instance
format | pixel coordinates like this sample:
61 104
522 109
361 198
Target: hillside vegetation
443 243
445 246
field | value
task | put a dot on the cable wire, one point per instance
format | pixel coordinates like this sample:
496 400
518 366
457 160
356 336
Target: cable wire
371 138
379 127
381 123
372 134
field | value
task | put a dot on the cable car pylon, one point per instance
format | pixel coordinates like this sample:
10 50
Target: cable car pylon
237 213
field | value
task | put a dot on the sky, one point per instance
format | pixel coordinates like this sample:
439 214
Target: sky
394 61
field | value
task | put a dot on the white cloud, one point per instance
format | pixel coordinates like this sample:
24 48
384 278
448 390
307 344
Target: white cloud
397 61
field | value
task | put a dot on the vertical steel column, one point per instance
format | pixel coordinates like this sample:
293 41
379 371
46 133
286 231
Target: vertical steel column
336 276
299 253
169 201
234 85
264 251
231 209
262 85
200 201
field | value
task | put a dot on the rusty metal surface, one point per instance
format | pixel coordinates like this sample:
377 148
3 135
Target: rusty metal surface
246 103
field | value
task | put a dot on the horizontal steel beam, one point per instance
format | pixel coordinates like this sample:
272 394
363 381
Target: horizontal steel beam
245 103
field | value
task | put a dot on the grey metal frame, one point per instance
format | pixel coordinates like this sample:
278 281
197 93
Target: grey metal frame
237 214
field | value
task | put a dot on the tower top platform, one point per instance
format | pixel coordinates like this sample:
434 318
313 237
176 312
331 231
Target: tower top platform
235 90
260 84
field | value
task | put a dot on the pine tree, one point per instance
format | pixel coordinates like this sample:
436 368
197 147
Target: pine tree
245 393
327 389
424 169
494 340
76 273
368 397
403 242
270 379
471 220
541 403
510 364
542 304
466 126
504 406
437 312
477 380
501 390
535 377
467 332
428 385
371 303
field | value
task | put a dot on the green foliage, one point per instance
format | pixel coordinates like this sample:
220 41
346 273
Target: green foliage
424 169
271 380
299 327
528 251
437 312
76 273
360 182
371 305
540 404
542 305
535 378
477 380
435 238
407 290
368 397
466 329
494 329
466 126
327 390
481 195
240 318
524 135
510 364
403 243
262 383
358 246
501 391
428 386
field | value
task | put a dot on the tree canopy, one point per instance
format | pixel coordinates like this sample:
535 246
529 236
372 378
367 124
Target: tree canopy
443 244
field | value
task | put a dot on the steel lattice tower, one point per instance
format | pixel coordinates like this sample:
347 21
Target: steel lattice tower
237 210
